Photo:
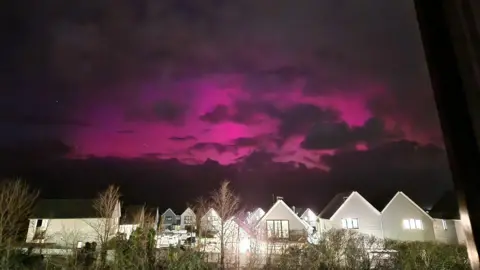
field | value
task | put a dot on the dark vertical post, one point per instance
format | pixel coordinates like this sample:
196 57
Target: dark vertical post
450 36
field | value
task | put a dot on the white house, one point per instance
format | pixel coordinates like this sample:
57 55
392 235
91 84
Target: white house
255 216
403 219
350 210
446 220
237 236
211 222
280 223
169 219
70 223
188 219
310 217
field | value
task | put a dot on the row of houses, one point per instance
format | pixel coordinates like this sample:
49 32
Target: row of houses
53 221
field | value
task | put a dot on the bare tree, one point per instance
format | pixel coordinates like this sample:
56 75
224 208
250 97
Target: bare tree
226 204
16 204
200 208
106 226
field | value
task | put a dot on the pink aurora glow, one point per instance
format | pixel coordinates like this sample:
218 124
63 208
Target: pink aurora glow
111 134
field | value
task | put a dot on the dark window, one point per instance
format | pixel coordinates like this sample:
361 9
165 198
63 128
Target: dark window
39 222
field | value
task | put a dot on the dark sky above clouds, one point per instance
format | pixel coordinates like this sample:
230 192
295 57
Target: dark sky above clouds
334 92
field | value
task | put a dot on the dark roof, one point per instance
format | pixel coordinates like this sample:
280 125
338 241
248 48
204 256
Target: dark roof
63 208
131 213
334 205
446 207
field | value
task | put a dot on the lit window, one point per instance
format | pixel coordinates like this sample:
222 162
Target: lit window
350 223
277 229
168 218
188 219
412 224
79 244
444 224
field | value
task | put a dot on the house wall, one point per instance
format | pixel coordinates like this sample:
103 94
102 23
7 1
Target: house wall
460 232
68 232
282 212
401 208
187 214
169 218
369 220
211 225
447 234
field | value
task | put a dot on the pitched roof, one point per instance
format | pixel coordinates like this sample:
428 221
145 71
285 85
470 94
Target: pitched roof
169 210
282 203
446 207
306 212
64 208
408 199
188 211
333 206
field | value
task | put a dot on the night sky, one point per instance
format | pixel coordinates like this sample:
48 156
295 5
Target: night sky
301 99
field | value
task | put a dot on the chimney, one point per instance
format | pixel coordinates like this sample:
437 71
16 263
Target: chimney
279 198
293 208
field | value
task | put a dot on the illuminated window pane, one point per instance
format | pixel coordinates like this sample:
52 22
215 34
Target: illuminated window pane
355 223
350 223
419 225
412 223
406 224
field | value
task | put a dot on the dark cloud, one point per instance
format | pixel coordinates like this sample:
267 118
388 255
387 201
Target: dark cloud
242 112
246 111
41 119
333 135
220 148
219 114
34 150
163 111
182 139
420 171
401 165
295 120
246 142
300 118
277 80
126 131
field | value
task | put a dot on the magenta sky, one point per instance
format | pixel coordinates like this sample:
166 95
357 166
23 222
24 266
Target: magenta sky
198 80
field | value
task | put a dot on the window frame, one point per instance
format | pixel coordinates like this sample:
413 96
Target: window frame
350 223
276 233
412 224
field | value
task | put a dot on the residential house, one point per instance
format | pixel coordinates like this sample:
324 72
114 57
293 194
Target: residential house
310 217
70 223
237 235
169 219
188 220
210 222
254 216
135 216
281 224
446 220
403 219
350 210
